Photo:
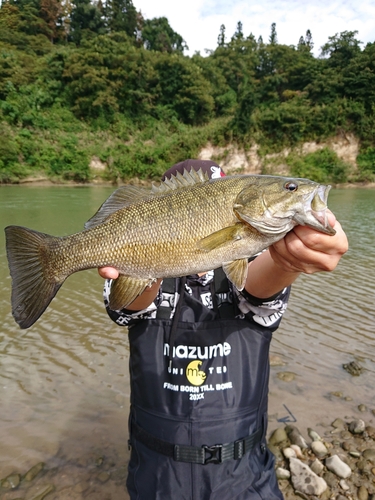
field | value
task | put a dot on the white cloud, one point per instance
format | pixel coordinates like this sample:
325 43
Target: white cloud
199 21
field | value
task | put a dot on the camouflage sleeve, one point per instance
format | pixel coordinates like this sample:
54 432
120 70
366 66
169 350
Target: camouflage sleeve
125 317
265 312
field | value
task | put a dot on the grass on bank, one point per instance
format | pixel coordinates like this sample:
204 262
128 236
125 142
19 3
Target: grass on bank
53 143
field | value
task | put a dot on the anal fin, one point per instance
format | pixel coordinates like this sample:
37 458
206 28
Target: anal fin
125 290
236 272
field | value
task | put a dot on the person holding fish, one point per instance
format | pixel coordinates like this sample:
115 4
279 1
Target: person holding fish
199 344
199 338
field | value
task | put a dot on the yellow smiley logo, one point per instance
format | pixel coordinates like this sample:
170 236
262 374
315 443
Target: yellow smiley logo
194 375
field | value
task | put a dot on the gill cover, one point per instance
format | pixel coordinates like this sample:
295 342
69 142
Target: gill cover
279 204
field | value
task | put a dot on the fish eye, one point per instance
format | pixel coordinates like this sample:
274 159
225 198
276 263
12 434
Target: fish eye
291 186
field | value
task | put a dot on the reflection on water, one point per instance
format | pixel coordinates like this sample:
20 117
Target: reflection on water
64 382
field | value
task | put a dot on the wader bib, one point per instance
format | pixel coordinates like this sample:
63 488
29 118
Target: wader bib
199 404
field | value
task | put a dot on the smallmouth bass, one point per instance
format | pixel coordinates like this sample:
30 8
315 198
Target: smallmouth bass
189 224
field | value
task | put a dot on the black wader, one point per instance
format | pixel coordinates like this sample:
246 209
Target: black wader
199 406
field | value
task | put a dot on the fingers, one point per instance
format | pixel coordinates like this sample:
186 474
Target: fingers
108 272
309 251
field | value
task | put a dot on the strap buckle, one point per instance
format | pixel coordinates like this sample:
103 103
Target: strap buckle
212 454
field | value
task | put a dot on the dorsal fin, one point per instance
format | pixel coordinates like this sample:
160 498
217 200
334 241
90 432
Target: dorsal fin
127 195
122 197
179 181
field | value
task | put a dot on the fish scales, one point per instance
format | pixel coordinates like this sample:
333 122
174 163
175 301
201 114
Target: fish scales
145 239
187 225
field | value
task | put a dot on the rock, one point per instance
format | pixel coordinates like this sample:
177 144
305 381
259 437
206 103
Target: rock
331 479
369 454
81 487
319 449
362 408
317 466
337 394
304 479
336 465
289 453
326 495
354 454
103 476
302 495
357 426
297 450
286 376
346 435
344 485
276 451
353 368
276 360
282 473
46 491
34 471
348 446
338 423
11 482
278 436
295 437
313 435
362 465
362 493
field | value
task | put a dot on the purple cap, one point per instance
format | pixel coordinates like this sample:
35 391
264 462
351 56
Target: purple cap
211 168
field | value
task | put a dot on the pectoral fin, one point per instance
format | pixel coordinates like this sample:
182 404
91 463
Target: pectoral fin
236 272
221 237
125 290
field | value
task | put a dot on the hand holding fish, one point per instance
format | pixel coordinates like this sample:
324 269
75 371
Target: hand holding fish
304 250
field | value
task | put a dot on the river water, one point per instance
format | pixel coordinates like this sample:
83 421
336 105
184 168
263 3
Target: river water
64 386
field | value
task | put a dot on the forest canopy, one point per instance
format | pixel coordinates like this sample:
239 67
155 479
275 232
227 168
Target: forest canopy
80 78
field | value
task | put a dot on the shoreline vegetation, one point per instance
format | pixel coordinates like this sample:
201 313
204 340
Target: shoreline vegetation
100 183
88 82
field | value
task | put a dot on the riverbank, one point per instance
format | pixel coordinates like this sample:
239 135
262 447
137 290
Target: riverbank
323 439
336 463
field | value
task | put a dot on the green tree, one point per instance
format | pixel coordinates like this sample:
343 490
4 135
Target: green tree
246 104
51 11
121 15
86 19
238 34
309 40
221 36
341 48
273 34
183 89
158 35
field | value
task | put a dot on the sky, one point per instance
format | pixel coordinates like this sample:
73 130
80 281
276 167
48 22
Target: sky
199 21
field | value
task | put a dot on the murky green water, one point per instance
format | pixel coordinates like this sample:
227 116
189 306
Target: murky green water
64 386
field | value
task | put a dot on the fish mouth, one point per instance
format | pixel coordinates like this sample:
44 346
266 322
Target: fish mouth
316 211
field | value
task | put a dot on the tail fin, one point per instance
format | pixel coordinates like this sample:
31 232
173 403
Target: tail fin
32 286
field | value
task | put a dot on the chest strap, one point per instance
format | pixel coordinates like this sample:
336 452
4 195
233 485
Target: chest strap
204 454
222 297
